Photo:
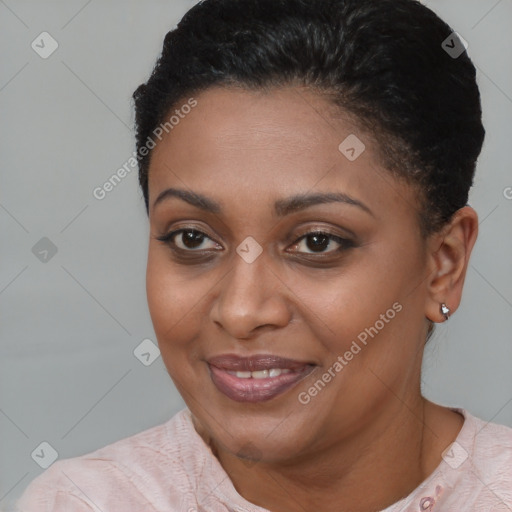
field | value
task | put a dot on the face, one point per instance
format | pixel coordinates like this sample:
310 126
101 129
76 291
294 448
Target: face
246 282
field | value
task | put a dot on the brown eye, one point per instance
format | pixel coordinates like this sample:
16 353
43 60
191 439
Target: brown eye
191 239
318 241
186 240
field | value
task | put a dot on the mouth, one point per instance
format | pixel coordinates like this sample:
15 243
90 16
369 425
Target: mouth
258 378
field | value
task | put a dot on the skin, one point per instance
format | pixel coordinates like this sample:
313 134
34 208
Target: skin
369 428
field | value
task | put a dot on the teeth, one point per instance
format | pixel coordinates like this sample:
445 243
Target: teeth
261 374
243 375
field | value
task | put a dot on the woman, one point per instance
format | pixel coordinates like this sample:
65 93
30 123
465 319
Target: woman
305 166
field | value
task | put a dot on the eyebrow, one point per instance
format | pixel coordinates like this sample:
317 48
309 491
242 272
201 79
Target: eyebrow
282 207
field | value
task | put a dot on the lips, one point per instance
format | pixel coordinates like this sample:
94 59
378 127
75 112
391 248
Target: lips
232 375
254 363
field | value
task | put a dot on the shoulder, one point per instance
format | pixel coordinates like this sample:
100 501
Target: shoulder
140 470
492 447
486 463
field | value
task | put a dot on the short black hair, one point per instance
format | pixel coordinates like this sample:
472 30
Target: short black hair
383 62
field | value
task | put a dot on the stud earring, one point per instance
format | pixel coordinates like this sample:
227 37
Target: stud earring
445 310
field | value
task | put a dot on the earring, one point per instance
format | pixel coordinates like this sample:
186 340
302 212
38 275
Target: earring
445 310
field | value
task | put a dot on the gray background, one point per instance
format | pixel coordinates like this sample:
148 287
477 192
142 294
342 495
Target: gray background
69 325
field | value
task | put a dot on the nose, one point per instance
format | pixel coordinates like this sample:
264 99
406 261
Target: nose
252 297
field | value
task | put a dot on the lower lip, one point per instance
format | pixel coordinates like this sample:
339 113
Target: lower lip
255 390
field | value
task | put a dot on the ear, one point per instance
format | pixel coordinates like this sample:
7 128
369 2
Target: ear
448 258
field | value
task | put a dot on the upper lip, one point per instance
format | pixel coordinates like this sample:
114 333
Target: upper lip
255 363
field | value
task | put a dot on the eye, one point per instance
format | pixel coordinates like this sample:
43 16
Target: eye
318 241
187 240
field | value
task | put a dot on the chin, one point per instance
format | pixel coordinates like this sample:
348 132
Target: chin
256 437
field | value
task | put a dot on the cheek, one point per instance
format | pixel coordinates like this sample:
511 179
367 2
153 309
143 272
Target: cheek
340 305
368 316
173 299
174 303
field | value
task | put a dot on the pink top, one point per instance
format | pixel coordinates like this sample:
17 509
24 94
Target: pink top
170 468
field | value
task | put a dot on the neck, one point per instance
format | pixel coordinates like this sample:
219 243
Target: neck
387 457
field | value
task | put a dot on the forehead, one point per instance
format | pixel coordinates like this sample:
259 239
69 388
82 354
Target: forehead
232 124
238 145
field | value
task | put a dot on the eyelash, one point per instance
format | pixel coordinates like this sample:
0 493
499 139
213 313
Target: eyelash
345 244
